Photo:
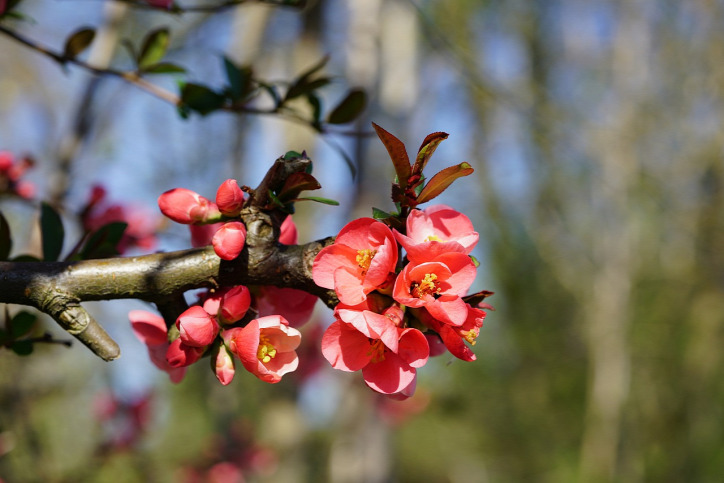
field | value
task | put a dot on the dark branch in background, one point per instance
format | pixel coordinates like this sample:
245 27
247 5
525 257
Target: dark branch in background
58 288
218 7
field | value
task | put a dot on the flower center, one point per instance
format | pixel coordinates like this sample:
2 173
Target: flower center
266 352
364 258
427 286
433 238
472 335
377 351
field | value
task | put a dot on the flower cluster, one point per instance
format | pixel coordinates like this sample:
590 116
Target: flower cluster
384 297
190 208
256 326
11 170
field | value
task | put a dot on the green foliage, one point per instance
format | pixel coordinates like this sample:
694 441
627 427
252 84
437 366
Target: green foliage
77 42
349 108
52 232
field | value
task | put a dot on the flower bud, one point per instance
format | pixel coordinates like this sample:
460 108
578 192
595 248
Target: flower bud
229 198
179 354
234 304
186 206
197 327
224 365
229 240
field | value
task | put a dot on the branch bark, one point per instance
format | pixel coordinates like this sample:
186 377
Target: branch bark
58 288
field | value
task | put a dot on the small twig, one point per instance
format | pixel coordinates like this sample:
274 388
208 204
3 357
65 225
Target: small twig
47 338
219 7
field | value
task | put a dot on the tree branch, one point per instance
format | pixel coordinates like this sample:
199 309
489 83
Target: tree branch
58 288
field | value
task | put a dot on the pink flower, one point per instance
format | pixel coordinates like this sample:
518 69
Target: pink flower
231 305
196 327
438 286
179 354
384 369
436 230
141 228
224 365
294 305
229 240
454 338
229 198
186 206
266 347
362 256
151 330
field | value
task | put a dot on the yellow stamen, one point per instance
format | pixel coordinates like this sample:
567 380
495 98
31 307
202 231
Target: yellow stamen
266 351
364 258
471 336
427 286
377 351
433 238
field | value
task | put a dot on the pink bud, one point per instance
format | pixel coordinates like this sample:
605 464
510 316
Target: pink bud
186 206
6 157
182 355
288 232
224 366
229 240
197 327
234 304
229 198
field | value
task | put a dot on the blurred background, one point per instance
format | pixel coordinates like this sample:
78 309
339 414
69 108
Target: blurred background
595 131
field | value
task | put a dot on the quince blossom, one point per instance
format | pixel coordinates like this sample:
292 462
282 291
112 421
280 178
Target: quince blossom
436 230
197 328
437 285
358 262
385 369
151 329
266 347
187 207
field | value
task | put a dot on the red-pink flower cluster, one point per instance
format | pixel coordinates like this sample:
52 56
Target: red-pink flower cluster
11 170
142 225
266 345
190 208
381 299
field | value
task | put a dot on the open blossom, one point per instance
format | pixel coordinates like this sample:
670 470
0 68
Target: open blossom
151 330
186 206
229 240
453 337
179 354
266 347
359 261
384 369
437 285
436 230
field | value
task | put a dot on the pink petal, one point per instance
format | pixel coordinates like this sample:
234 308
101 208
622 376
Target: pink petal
345 347
331 258
229 240
389 375
148 327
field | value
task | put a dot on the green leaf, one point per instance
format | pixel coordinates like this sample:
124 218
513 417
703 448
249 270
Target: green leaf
398 154
164 68
475 261
154 48
78 41
22 347
316 104
239 79
428 146
318 199
272 91
378 214
442 180
103 242
303 84
51 232
6 241
22 323
201 99
289 155
349 108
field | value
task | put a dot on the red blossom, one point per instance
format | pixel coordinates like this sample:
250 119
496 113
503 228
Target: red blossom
229 198
359 261
151 330
197 328
266 347
186 206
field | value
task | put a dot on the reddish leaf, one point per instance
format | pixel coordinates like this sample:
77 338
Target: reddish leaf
295 184
397 153
442 180
427 147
